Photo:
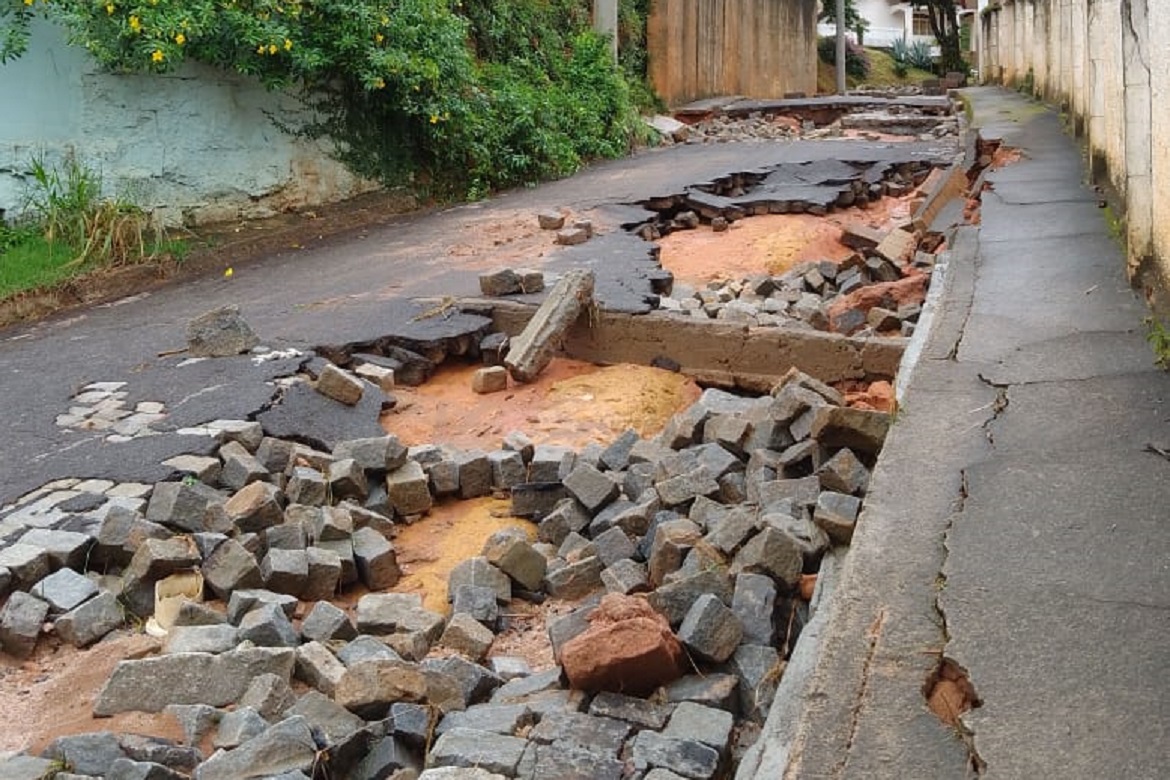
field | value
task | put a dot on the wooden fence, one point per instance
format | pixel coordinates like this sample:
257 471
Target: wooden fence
754 48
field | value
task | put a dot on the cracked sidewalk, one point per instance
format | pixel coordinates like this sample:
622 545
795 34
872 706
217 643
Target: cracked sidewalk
1016 522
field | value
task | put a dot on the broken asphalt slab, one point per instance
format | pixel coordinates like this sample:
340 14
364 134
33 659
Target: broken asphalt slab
354 287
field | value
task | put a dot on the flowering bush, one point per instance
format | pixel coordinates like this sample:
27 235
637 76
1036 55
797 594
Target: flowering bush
396 84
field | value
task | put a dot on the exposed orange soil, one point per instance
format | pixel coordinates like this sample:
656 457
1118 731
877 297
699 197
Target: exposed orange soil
52 694
770 243
453 532
572 403
504 238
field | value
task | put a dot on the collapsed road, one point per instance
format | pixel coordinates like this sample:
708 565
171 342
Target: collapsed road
266 468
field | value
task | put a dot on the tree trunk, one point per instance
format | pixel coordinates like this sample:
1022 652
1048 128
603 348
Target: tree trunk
944 23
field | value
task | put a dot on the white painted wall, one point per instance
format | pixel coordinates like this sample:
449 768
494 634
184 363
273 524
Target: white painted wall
194 146
1107 63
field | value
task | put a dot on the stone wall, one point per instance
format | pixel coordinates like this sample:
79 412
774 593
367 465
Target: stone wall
754 48
1107 63
194 146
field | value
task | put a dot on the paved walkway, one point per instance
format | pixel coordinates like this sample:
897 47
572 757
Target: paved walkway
1018 523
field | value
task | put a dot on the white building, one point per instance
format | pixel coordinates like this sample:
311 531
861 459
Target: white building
891 20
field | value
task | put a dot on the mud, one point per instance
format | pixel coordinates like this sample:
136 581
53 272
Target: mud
770 243
572 403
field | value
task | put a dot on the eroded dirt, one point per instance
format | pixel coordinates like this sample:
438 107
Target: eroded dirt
572 403
453 532
770 243
52 694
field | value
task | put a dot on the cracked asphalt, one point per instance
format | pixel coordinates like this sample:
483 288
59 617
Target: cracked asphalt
1017 522
353 288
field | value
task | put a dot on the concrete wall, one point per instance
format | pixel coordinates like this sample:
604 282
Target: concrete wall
195 145
1107 63
754 48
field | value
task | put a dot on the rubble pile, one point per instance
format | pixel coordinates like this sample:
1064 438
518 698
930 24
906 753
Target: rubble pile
686 561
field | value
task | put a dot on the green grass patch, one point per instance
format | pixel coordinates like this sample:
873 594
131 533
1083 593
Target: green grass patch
33 262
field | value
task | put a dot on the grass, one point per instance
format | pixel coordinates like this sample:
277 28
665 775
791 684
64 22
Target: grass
33 263
881 74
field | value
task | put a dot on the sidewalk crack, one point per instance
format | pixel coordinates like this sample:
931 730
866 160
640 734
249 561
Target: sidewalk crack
948 690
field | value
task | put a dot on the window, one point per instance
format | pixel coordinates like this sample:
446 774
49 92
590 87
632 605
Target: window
922 24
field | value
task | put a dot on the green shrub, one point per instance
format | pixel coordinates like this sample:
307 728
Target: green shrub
451 98
856 57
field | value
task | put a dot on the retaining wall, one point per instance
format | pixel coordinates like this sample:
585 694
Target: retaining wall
1107 63
195 146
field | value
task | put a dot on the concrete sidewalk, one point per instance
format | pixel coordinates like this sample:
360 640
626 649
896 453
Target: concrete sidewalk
1017 524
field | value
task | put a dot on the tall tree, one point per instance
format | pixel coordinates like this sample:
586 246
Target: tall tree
944 24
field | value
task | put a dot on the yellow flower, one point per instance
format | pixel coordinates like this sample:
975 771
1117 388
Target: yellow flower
434 119
385 20
272 48
109 9
28 2
180 39
379 37
157 56
287 45
228 273
135 24
379 84
260 49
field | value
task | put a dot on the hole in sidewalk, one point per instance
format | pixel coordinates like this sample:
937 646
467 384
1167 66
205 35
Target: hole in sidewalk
949 692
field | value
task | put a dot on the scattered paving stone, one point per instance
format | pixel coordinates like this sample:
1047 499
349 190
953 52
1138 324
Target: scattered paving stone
326 622
591 487
408 490
270 695
255 507
836 513
712 690
773 553
366 648
230 568
477 602
508 469
506 719
26 563
860 430
149 684
64 589
237 727
674 599
536 500
688 758
575 580
20 624
347 480
201 639
318 667
625 576
844 473
285 571
386 613
244 601
155 560
461 747
754 604
710 630
376 560
266 625
307 485
759 669
466 635
490 379
220 332
285 747
479 572
86 754
502 281
510 552
339 385
697 723
90 621
550 220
